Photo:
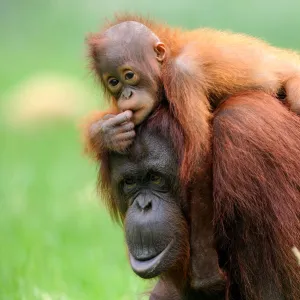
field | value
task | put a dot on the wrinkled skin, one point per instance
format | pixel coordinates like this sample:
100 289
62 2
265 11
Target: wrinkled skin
148 196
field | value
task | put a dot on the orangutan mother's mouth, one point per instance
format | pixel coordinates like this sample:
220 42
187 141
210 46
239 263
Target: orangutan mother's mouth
146 267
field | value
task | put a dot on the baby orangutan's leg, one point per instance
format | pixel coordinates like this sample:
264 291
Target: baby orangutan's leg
292 88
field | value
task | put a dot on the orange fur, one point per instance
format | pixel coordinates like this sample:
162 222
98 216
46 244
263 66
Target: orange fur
255 149
204 66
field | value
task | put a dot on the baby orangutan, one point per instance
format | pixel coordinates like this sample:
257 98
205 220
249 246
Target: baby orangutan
140 64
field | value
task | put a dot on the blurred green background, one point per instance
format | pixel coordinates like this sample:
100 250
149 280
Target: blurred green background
56 239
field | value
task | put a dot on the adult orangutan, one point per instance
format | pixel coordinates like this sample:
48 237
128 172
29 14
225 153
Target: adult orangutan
253 203
143 189
141 63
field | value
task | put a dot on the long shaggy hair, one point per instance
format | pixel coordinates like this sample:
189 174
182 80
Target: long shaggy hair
256 186
256 192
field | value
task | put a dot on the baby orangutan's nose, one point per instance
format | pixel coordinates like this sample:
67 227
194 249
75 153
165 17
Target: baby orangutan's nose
126 94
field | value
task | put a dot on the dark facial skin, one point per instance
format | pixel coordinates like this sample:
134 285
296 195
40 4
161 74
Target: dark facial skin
129 67
148 197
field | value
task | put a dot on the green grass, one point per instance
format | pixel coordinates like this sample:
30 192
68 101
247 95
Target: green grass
56 239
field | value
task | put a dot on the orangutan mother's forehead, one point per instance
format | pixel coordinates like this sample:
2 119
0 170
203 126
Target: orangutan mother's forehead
149 152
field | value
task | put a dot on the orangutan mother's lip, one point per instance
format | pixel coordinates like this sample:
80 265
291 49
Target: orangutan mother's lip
145 268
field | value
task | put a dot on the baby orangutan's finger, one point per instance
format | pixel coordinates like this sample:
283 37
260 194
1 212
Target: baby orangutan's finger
119 119
108 116
127 126
129 135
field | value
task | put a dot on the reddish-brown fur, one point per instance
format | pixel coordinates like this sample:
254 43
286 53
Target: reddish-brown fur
256 194
205 65
256 178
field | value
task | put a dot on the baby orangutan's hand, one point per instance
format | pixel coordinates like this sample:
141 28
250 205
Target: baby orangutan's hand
115 131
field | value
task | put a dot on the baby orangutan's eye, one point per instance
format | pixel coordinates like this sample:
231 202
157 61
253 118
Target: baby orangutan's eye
113 82
129 75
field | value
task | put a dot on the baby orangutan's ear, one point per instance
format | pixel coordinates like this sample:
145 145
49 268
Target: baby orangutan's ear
160 50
